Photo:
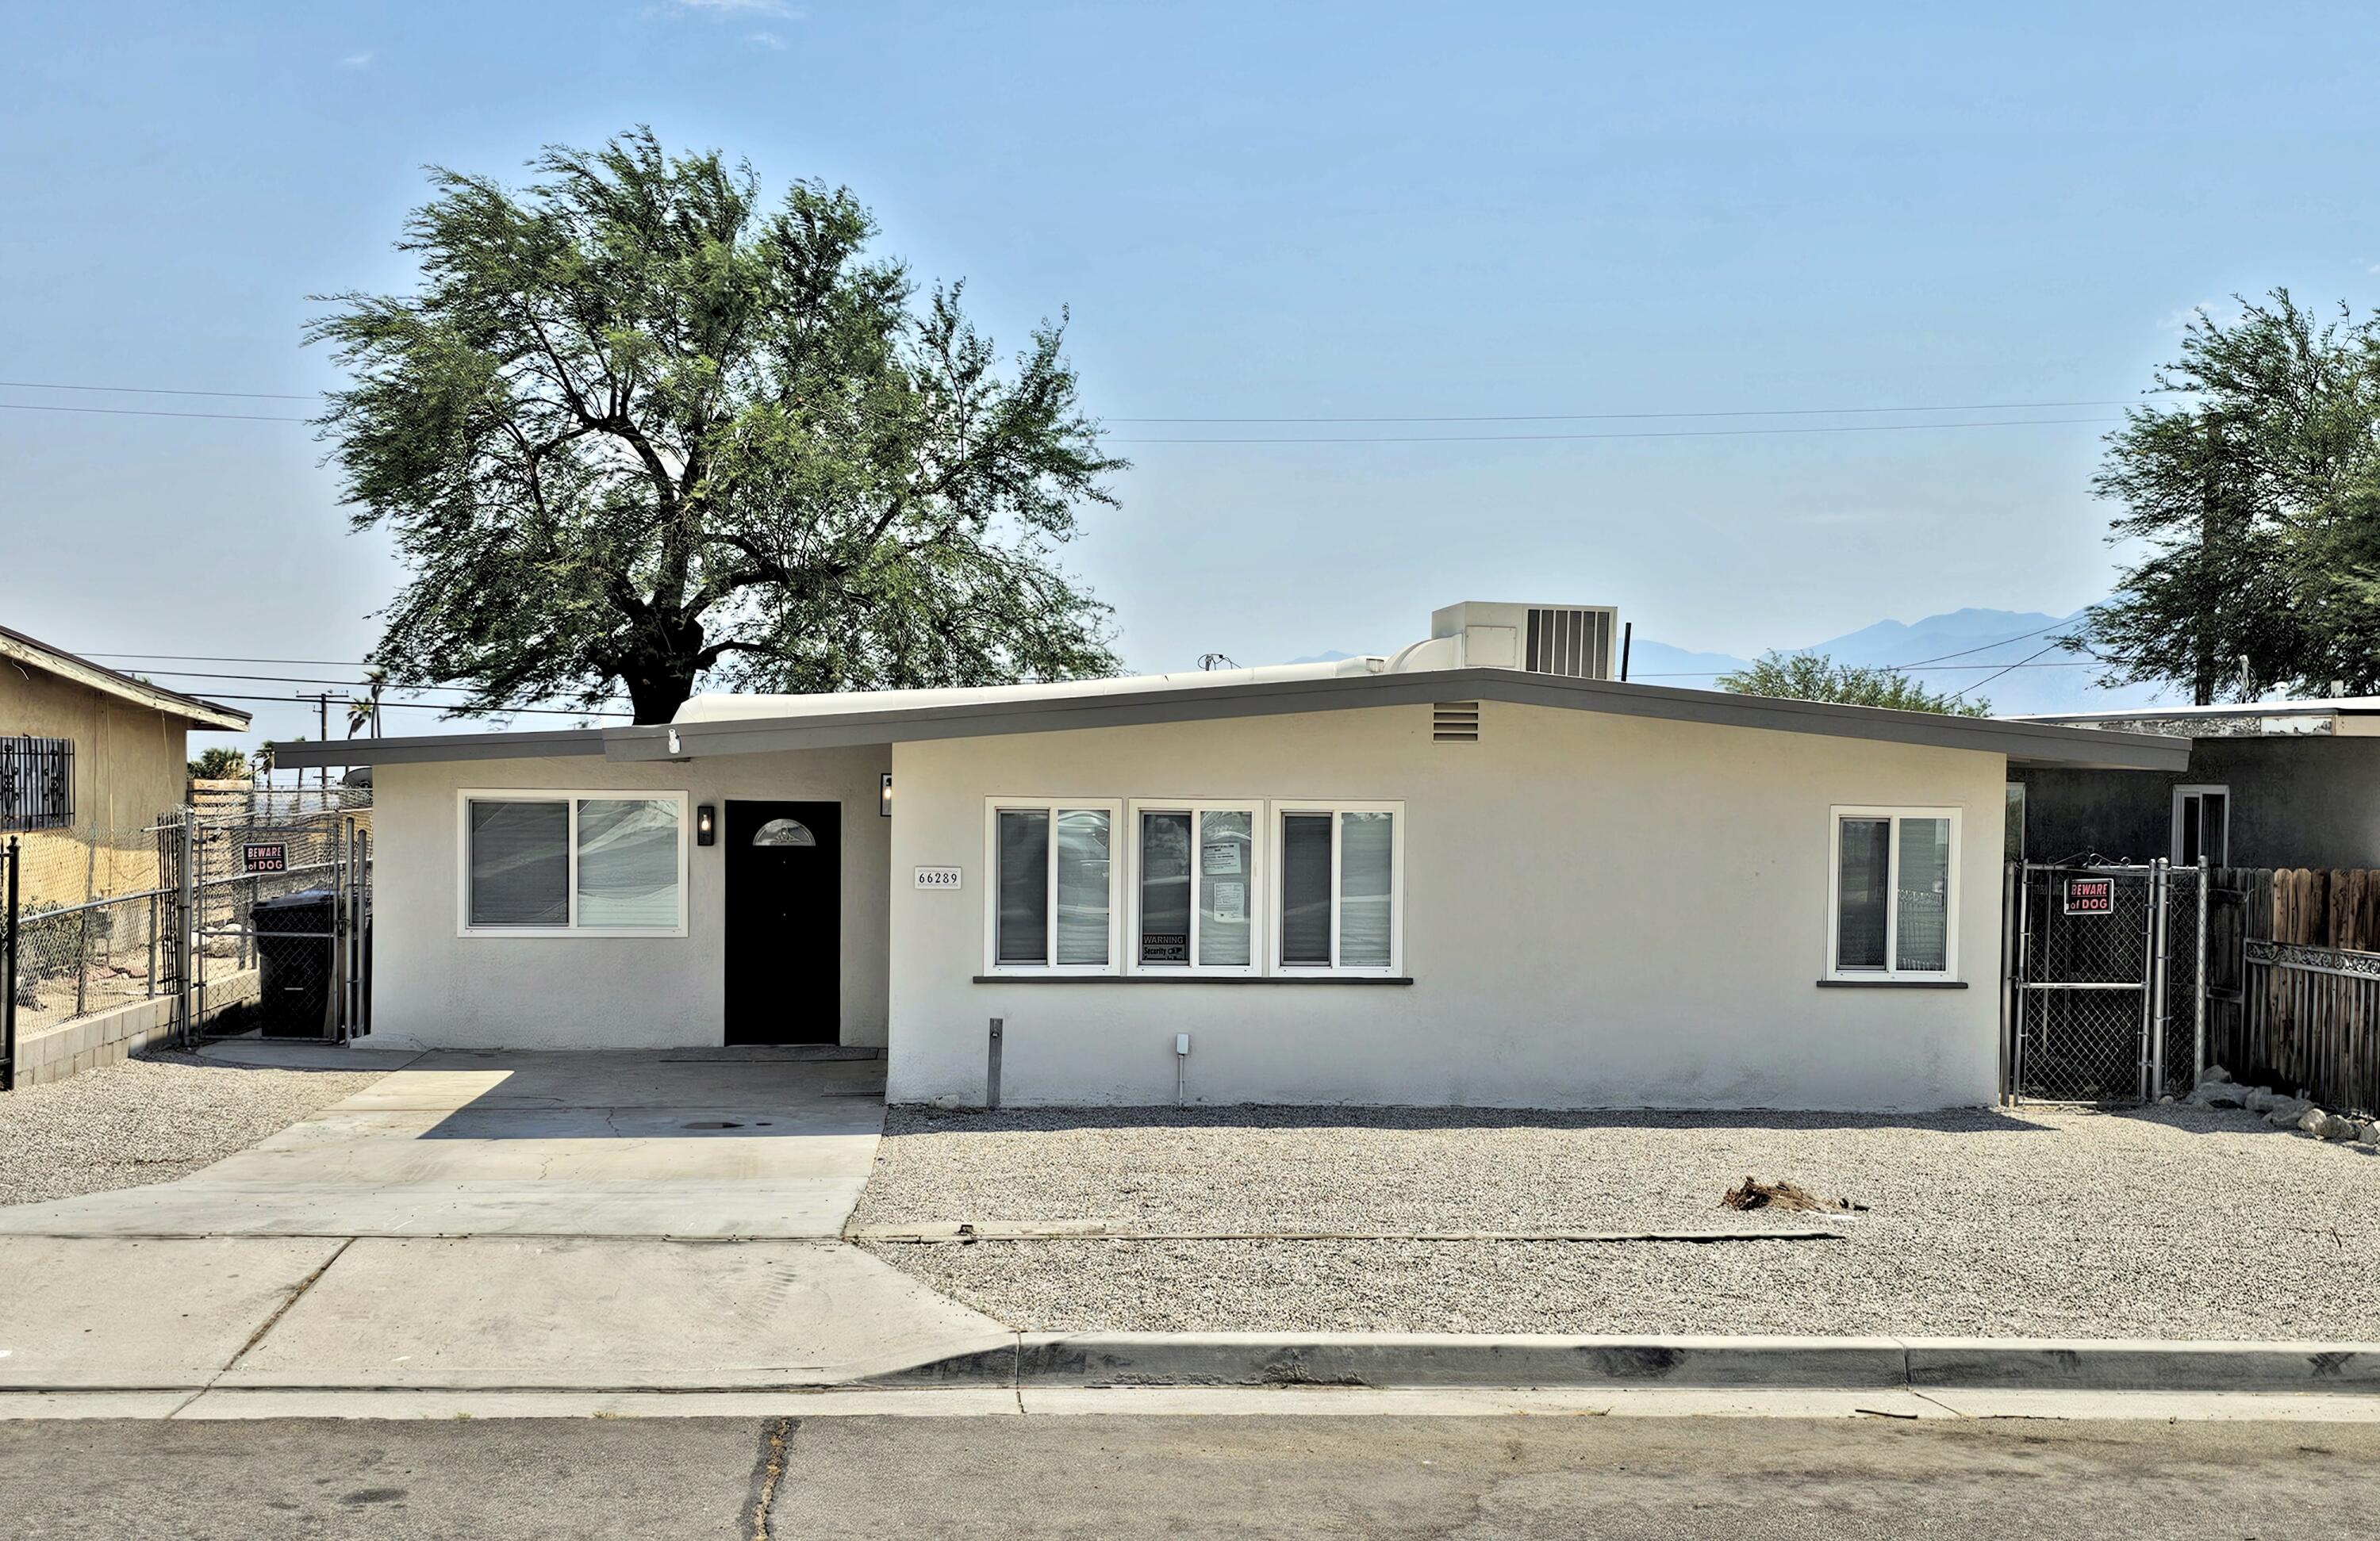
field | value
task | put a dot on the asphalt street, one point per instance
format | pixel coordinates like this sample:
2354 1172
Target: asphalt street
1103 1477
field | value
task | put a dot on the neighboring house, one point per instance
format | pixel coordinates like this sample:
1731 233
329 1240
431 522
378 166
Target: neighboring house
2269 784
83 747
1480 872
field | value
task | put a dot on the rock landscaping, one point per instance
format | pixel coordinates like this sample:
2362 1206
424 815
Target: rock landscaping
2179 1222
2217 1089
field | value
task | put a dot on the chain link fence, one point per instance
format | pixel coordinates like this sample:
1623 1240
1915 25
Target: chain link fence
97 906
282 896
2109 984
92 923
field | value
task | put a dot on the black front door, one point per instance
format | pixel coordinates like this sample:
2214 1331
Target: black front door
784 922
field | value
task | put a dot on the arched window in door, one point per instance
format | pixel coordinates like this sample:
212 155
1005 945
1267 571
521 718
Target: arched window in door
784 832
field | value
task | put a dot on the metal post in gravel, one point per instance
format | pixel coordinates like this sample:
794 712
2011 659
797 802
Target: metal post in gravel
2198 1034
82 928
2160 894
185 918
991 1067
8 974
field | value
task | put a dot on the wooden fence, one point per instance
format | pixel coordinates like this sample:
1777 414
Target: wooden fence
2293 980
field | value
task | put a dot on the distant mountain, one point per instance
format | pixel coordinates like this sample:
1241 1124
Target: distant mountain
1965 650
1659 663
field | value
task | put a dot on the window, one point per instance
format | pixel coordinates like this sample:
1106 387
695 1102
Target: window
564 863
1188 889
2201 825
36 783
1895 894
1051 899
1340 870
1195 884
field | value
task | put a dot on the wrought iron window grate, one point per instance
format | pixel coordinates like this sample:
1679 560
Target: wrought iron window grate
36 783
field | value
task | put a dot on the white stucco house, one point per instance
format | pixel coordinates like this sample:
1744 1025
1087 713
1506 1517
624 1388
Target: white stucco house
1480 871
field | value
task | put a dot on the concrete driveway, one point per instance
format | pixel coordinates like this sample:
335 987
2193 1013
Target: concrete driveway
682 1142
493 1221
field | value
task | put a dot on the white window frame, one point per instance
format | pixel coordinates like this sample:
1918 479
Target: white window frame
993 808
2199 789
1951 906
570 799
1259 856
1283 807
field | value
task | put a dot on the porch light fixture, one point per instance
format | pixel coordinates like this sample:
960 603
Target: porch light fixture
706 824
884 805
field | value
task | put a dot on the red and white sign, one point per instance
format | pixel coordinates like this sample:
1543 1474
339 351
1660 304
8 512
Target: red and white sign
2090 895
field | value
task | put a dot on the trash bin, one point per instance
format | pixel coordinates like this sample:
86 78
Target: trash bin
293 958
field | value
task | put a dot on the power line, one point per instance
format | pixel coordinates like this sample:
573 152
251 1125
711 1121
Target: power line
1320 439
1897 667
1662 433
225 658
437 705
1623 416
1988 678
158 390
301 679
1985 648
150 412
1419 418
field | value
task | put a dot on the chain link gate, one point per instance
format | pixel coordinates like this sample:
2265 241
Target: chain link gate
278 929
2106 999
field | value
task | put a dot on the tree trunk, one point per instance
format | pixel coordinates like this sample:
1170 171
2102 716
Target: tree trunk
661 677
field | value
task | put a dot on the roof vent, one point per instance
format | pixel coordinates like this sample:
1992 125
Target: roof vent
1571 639
1454 722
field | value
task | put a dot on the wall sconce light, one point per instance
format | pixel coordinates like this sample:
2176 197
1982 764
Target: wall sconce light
706 825
885 806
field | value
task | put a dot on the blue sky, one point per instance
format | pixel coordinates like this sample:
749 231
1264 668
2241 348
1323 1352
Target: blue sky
1252 211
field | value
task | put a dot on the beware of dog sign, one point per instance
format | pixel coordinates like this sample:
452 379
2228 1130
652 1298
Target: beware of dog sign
2090 895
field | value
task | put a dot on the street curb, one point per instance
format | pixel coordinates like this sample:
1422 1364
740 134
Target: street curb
1390 1359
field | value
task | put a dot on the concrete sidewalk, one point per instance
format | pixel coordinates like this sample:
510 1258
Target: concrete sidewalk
648 1231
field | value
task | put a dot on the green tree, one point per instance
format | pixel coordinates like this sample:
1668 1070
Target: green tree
220 763
2252 498
635 431
1817 677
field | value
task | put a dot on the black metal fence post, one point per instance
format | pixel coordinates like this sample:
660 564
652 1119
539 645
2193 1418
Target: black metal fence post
8 977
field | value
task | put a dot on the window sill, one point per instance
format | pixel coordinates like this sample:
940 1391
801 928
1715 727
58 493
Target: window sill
1893 984
1192 980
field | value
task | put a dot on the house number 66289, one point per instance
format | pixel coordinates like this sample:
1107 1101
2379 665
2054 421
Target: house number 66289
937 877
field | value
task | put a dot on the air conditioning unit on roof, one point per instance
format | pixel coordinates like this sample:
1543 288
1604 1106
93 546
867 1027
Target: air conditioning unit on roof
1569 639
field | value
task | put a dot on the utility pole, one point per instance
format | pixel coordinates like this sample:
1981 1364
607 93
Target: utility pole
323 717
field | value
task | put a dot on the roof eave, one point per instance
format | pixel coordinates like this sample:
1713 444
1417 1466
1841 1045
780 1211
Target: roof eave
2024 744
197 711
537 744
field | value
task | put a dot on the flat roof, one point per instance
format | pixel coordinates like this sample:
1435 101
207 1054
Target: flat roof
2318 706
776 723
82 671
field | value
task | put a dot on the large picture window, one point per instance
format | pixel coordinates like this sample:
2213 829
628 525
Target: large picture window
1340 867
1052 892
1196 869
1895 899
567 863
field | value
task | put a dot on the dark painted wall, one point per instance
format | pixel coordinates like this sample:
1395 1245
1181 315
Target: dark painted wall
2295 802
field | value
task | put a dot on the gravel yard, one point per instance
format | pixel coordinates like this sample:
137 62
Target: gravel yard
149 1119
2165 1222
